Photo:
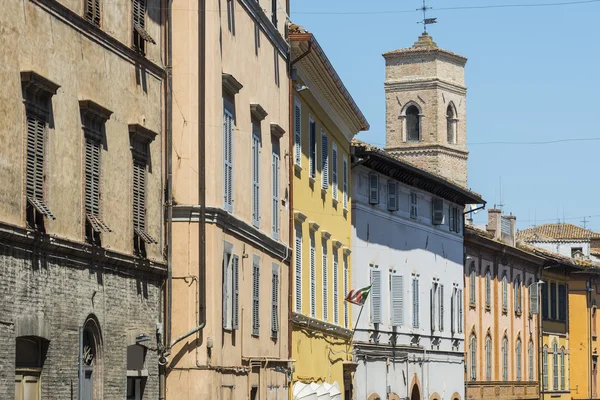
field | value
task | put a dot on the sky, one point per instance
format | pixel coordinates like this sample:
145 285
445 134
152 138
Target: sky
533 75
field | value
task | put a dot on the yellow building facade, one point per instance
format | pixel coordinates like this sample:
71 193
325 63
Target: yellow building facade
325 119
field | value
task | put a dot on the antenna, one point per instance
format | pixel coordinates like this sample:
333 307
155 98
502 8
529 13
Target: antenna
426 21
501 204
585 221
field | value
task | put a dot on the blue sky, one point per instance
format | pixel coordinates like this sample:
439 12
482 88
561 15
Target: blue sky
533 75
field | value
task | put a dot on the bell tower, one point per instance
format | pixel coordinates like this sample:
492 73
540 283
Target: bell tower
426 117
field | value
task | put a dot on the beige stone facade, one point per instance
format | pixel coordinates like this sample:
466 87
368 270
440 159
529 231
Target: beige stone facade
430 81
231 200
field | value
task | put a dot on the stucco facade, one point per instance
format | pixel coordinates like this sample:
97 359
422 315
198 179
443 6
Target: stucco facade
81 232
231 204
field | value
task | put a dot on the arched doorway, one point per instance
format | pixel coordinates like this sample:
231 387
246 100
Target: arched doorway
90 378
415 395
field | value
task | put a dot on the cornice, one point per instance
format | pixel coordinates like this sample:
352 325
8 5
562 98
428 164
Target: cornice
424 84
258 15
232 224
303 322
427 149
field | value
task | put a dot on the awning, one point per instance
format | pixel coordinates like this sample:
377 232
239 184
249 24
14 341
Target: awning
316 391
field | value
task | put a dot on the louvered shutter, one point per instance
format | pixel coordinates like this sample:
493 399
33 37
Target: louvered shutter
373 188
226 292
228 125
534 300
460 311
438 211
451 218
397 296
235 300
345 172
334 173
432 314
92 11
256 296
256 179
392 202
312 148
298 270
297 134
275 188
313 278
275 301
36 128
92 177
413 205
504 293
324 161
325 284
453 312
441 299
139 195
346 315
375 296
415 303
336 313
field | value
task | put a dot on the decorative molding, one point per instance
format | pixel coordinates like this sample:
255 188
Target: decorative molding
347 251
257 111
231 84
326 235
336 243
141 134
33 81
304 322
299 217
313 226
277 130
94 110
425 84
257 13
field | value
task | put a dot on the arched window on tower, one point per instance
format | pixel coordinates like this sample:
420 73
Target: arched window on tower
451 124
413 124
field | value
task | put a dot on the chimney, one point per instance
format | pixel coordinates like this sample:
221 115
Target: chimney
510 239
494 225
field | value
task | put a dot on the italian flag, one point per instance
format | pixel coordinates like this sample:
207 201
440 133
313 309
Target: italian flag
358 296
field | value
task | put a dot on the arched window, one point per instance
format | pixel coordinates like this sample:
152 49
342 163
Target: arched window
555 366
473 354
504 292
488 288
90 377
518 295
530 352
545 367
505 359
562 368
472 283
413 124
488 358
451 124
519 360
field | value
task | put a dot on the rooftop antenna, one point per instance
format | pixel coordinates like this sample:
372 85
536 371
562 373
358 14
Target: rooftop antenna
501 203
426 21
585 221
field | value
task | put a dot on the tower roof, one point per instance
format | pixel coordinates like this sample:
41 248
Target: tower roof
424 45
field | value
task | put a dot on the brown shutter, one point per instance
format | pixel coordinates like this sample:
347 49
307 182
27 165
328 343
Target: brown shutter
36 127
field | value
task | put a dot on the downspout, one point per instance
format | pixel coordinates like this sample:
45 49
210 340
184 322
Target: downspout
589 312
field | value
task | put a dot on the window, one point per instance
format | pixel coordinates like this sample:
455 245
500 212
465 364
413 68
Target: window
413 125
324 161
555 366
345 178
504 292
325 276
441 305
473 356
90 359
545 300
488 358
562 302
553 309
230 288
518 295
92 11
472 282
534 297
457 311
256 145
455 219
313 276
275 168
297 133
414 211
140 36
346 310
140 148
415 298
375 295
451 124
298 269
93 118
334 172
275 301
228 129
575 251
373 188
392 200
519 359
562 369
397 299
460 311
505 359
336 311
437 212
530 355
255 295
28 368
136 371
312 147
545 367
433 294
488 288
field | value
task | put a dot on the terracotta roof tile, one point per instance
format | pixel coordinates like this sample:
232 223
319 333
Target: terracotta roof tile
554 232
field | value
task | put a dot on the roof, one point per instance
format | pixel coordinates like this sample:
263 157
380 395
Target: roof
556 232
424 45
299 34
405 172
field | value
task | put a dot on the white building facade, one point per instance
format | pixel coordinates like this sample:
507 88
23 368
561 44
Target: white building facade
408 244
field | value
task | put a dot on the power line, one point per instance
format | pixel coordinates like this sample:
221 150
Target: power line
537 142
489 6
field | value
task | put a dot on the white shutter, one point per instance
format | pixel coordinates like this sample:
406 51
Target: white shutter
373 188
324 160
453 312
415 294
336 313
441 301
438 211
414 212
397 297
297 134
325 284
345 292
227 290
534 299
460 311
313 278
256 296
275 200
255 177
345 177
433 307
334 172
375 296
275 301
298 269
392 200
236 292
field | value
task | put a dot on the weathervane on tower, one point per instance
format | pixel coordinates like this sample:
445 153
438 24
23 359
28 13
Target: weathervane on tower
426 21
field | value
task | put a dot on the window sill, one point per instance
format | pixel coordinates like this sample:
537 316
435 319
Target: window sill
297 167
472 306
518 313
335 202
324 191
488 308
311 180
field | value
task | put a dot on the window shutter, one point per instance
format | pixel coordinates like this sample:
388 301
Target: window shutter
324 160
275 301
92 177
312 148
139 194
36 128
438 211
460 311
298 270
228 125
518 360
488 288
375 296
92 11
325 284
313 277
432 316
534 299
226 294
441 299
373 188
336 316
275 188
255 178
504 292
415 302
472 283
235 300
334 172
562 303
397 283
451 219
453 313
345 172
345 292
297 134
256 296
392 203
414 213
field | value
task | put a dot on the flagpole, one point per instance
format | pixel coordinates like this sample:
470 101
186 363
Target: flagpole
356 324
